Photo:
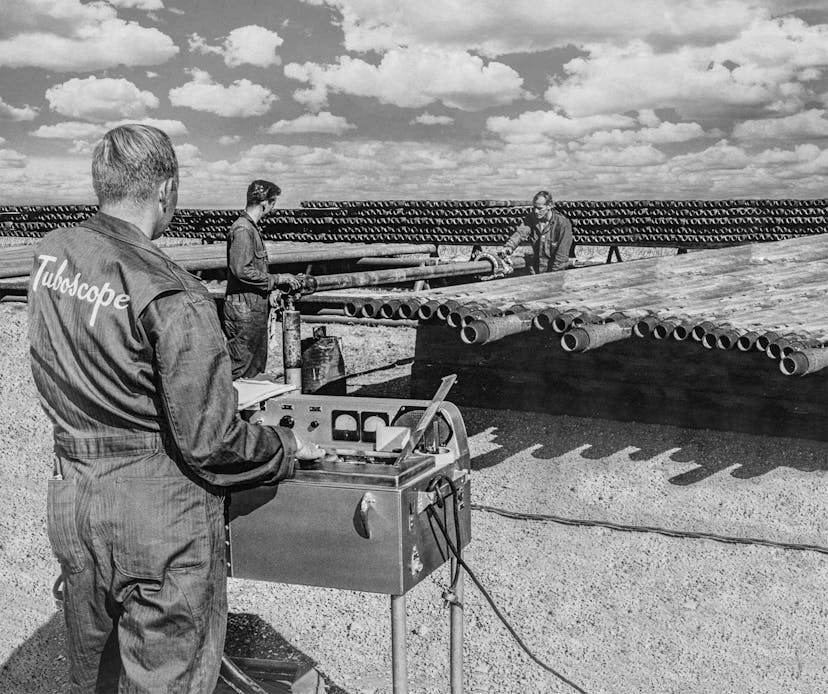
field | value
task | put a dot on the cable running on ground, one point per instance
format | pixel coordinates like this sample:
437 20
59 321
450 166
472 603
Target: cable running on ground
587 523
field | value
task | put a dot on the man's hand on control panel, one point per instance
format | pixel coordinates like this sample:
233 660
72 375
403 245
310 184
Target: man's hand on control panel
307 450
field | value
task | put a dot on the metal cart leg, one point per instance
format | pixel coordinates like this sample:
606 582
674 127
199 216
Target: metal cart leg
456 617
398 655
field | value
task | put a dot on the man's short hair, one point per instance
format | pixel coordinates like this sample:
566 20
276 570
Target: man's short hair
542 194
260 190
130 161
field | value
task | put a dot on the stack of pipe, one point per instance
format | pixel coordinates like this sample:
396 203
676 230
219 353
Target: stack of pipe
768 298
17 261
682 223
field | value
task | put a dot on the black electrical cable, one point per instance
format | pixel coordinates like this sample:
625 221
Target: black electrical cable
433 486
649 529
457 552
400 362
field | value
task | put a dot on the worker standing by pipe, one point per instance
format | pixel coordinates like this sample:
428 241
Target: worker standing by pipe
249 283
549 232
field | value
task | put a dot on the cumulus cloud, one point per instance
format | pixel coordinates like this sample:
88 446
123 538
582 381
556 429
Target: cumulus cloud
533 126
365 169
720 156
10 159
188 155
797 127
241 99
77 130
173 128
82 147
71 36
798 155
429 119
229 139
412 78
661 134
323 122
497 28
768 65
17 113
100 99
146 5
633 156
248 45
70 130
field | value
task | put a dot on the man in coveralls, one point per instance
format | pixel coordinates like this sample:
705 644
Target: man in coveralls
549 232
131 367
246 301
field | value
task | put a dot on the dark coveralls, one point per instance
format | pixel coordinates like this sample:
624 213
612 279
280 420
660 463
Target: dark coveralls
246 298
551 239
130 364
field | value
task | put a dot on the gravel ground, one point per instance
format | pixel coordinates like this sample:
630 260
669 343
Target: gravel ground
617 612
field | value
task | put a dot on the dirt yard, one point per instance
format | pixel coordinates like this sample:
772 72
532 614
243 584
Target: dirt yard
616 612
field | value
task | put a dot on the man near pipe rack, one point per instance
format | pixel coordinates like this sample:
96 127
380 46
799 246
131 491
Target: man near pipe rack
249 283
549 233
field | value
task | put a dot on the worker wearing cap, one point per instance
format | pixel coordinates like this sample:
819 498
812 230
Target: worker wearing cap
549 233
249 283
131 368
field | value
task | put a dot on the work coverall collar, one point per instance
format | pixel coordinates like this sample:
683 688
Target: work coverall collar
251 220
121 230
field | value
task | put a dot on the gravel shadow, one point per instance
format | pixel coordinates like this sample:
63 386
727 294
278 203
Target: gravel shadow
39 664
552 436
249 636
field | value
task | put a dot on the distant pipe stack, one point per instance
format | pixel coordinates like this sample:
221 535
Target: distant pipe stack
676 223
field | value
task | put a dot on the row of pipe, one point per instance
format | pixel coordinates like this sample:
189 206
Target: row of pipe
487 222
704 207
790 203
483 317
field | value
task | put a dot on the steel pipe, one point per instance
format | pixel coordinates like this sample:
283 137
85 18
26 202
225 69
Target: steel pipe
544 319
665 327
785 345
746 342
480 332
292 347
644 326
388 309
591 336
349 280
804 361
572 317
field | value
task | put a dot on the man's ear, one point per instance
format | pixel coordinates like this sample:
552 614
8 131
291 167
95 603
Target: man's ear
165 191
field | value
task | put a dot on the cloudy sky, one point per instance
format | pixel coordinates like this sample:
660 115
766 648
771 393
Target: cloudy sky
369 99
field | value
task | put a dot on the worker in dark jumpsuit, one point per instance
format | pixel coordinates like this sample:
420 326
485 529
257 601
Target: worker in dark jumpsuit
549 233
130 364
249 284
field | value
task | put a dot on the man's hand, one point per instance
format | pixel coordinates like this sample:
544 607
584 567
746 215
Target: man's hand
290 282
307 450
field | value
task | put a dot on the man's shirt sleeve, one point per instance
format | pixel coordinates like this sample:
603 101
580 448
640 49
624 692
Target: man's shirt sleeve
192 373
561 259
524 232
242 260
